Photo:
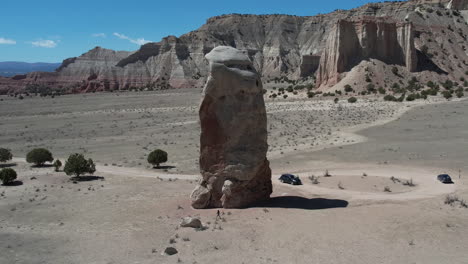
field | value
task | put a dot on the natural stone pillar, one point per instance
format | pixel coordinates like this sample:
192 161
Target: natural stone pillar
233 142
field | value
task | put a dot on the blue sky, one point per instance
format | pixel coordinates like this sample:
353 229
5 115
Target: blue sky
52 30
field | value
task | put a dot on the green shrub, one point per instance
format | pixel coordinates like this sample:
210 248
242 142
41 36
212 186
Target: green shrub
157 157
310 94
39 156
368 79
431 84
395 71
382 90
370 87
448 84
57 165
77 165
390 98
5 155
352 100
447 94
348 88
411 97
7 175
336 100
460 94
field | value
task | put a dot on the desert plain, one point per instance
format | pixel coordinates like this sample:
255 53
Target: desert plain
379 203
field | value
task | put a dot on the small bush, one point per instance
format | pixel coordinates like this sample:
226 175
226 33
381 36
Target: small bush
39 156
409 183
371 88
382 90
335 100
348 88
411 97
157 157
387 189
57 165
395 71
314 180
7 175
5 155
340 186
77 165
447 95
390 98
453 199
352 100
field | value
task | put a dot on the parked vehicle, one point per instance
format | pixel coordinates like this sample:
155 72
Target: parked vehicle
290 179
444 178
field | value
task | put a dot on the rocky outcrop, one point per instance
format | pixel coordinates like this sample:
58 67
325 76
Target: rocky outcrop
353 41
233 142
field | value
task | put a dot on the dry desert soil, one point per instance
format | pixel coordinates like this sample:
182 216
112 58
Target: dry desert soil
365 212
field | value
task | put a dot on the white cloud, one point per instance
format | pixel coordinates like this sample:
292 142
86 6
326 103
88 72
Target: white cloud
99 35
44 43
7 41
138 41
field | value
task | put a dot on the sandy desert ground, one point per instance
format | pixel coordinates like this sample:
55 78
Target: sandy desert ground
129 213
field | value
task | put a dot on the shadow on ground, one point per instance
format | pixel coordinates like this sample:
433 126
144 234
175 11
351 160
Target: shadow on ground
15 183
164 167
42 166
7 165
87 178
296 202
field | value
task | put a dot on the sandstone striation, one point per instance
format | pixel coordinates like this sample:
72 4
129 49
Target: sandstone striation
353 41
233 142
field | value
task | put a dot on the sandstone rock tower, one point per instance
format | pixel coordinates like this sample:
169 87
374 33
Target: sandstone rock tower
233 142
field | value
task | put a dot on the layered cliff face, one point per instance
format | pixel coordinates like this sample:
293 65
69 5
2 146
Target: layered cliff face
354 41
278 45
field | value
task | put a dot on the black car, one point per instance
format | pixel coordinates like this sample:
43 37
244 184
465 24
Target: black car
290 179
444 178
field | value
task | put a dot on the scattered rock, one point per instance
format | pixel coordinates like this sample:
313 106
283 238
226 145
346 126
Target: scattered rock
191 222
170 251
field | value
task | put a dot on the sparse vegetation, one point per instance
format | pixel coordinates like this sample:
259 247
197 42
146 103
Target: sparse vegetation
7 175
57 164
77 165
340 186
352 100
452 200
314 179
5 155
157 157
409 183
39 156
348 88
